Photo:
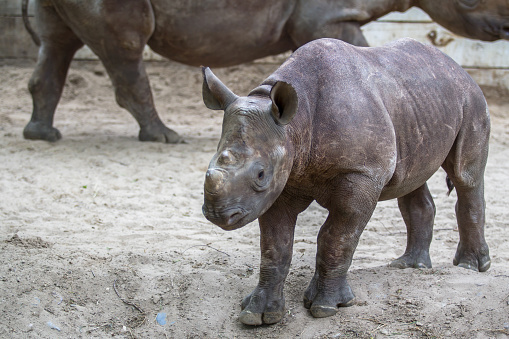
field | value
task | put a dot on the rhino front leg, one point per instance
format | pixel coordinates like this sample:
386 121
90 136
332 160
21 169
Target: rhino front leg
418 211
58 45
352 205
266 304
329 288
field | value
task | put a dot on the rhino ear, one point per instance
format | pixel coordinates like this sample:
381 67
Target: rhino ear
284 102
215 94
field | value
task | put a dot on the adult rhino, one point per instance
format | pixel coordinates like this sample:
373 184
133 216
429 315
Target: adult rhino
347 126
207 32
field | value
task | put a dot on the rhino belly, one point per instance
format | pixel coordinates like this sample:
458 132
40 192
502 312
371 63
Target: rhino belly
412 171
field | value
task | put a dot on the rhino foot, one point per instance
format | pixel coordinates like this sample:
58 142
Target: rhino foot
38 131
473 260
412 260
262 307
324 299
159 133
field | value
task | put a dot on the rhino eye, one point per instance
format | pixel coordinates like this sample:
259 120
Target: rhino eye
469 4
261 177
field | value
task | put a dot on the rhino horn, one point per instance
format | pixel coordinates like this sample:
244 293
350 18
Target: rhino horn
215 94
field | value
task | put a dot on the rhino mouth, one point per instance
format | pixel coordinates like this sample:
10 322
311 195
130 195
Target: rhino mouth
228 218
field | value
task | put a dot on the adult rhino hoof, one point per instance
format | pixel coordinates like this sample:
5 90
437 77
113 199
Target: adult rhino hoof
412 261
37 131
160 134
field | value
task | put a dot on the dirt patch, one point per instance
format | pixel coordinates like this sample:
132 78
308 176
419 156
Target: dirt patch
103 236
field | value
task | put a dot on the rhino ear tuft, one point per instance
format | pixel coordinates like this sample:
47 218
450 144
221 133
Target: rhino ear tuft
284 102
215 94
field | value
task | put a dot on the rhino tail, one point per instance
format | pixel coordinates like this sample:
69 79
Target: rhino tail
450 185
28 27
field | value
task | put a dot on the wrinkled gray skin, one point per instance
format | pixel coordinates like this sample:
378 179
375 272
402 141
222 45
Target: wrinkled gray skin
347 126
208 32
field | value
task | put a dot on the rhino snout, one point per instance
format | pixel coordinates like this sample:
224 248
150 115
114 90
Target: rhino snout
227 219
214 180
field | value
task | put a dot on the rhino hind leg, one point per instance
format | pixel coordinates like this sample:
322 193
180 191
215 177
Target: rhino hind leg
58 46
472 251
132 92
418 211
119 42
465 166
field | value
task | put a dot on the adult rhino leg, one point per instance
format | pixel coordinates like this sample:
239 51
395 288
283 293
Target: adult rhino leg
58 45
118 39
350 209
266 304
132 92
418 211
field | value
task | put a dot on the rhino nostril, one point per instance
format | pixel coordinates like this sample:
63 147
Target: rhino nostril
261 174
235 216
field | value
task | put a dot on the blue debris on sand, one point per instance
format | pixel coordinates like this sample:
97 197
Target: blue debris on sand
52 326
161 318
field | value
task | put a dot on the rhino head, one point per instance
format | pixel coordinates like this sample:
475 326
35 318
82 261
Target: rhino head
476 19
252 162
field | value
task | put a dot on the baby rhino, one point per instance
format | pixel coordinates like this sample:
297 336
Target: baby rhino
347 126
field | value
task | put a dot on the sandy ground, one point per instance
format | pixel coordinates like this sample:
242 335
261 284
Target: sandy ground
100 233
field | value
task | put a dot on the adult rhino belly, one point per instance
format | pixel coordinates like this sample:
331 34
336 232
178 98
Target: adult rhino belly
217 34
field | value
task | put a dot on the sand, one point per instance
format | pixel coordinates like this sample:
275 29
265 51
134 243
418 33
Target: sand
101 233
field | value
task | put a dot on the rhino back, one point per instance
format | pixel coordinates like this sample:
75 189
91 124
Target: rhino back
391 112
